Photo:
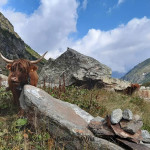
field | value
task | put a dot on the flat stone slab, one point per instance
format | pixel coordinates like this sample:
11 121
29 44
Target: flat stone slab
131 126
65 122
64 112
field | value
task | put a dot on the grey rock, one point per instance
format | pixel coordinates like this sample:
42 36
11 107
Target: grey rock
115 84
146 136
116 116
131 126
67 123
3 80
127 114
98 119
77 69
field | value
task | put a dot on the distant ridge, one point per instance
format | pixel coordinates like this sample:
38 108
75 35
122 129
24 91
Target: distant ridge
140 73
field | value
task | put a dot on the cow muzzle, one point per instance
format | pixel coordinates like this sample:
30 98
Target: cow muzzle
14 80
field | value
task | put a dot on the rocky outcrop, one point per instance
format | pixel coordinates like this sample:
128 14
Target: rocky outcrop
67 123
78 69
12 46
75 68
115 84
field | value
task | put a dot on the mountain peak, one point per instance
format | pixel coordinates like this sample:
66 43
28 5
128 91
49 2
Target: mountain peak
6 25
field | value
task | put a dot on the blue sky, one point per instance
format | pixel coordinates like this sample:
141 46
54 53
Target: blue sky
108 14
115 32
24 6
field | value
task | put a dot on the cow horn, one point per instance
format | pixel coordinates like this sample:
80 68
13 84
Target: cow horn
36 61
5 59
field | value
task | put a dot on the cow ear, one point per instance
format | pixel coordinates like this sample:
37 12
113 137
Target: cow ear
33 68
9 66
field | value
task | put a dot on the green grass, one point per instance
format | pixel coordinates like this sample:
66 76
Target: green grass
16 133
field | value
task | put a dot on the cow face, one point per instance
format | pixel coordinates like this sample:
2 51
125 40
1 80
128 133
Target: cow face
19 72
22 72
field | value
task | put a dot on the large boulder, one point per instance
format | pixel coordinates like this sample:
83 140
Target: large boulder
74 68
67 123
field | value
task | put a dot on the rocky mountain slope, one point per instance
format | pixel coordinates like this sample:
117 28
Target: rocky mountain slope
12 46
140 73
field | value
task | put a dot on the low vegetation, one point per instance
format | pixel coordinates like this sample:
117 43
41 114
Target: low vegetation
16 133
100 102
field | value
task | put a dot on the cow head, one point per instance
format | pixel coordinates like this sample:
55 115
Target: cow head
20 70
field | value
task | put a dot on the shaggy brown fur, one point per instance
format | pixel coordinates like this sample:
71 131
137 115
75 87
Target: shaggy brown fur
21 72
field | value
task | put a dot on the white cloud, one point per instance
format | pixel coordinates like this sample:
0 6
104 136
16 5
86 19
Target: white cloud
120 48
115 6
120 2
48 27
84 4
3 2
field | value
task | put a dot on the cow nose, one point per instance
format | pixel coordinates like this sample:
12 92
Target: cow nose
13 79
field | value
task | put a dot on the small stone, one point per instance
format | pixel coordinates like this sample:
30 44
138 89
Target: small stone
127 114
116 116
146 136
131 126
